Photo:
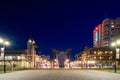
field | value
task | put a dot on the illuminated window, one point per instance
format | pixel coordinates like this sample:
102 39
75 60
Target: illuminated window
112 26
10 58
94 57
33 41
30 41
94 52
6 57
105 52
110 57
23 57
111 22
18 57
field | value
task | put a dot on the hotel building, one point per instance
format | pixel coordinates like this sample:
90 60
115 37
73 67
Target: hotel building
105 32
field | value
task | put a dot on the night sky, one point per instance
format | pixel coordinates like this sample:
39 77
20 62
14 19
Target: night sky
59 24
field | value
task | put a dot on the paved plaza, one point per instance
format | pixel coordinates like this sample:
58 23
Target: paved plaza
61 74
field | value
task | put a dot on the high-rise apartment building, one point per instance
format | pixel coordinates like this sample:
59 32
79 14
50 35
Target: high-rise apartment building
104 33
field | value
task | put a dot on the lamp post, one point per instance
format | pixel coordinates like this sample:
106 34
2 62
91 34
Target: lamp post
115 44
4 44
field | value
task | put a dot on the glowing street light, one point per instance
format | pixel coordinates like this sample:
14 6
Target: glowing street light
7 43
30 41
118 42
115 44
1 40
67 60
4 44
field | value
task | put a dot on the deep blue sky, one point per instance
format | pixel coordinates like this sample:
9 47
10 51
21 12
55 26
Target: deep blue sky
59 24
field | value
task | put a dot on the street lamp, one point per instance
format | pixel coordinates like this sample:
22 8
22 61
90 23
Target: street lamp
115 44
4 44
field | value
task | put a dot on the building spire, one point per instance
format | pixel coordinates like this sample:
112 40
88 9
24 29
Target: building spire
31 38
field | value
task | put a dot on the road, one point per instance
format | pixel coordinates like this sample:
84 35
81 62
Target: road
60 75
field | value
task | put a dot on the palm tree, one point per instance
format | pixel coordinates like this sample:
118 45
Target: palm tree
86 48
55 52
68 52
78 55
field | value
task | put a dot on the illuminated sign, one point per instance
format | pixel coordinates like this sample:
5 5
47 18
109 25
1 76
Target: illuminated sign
97 35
